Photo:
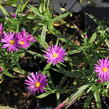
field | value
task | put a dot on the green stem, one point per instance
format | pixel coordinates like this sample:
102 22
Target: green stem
46 71
88 59
46 68
17 30
50 80
48 4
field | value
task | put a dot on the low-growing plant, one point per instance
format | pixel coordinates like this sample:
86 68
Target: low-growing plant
83 64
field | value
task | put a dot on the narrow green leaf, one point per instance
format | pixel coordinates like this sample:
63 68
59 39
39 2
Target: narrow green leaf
93 38
6 107
21 7
11 2
47 67
36 11
8 74
87 102
24 5
42 43
4 10
43 34
18 70
76 95
60 17
32 16
34 53
63 40
45 94
18 8
74 51
98 100
92 17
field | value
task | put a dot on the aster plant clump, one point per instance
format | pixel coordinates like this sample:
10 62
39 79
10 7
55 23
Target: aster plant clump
55 56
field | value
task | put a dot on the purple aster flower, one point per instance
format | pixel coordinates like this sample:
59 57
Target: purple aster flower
1 29
102 69
36 82
55 54
9 41
22 41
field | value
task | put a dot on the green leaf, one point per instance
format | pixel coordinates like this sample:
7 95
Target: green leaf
45 94
36 11
11 2
18 70
93 38
34 53
98 100
76 95
8 74
4 10
63 40
47 67
87 102
18 8
43 34
6 107
21 7
92 17
24 5
32 16
74 51
60 17
42 43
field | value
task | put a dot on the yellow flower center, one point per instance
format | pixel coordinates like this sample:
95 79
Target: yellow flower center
55 55
21 42
12 42
37 84
104 69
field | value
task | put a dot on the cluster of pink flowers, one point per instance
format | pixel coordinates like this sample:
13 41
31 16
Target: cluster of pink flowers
15 41
37 82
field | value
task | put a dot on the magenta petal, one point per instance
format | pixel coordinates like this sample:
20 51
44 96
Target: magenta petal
5 45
